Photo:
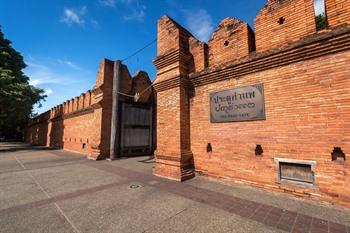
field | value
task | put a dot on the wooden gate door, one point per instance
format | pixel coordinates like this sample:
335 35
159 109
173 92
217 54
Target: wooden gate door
136 130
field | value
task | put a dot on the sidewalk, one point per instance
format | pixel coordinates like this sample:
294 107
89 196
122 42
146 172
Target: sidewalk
58 191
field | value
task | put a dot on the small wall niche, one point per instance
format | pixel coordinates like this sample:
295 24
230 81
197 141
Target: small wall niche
209 148
83 146
259 150
281 20
338 154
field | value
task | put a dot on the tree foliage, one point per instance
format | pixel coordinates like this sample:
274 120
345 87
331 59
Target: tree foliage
321 21
17 97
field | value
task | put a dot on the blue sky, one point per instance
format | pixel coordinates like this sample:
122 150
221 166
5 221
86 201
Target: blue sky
63 41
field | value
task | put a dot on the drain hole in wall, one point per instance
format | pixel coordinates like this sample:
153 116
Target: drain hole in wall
209 148
259 150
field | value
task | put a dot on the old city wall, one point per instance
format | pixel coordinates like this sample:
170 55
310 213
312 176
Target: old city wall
75 124
305 74
83 124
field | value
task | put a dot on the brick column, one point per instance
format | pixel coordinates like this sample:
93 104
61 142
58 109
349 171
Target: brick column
174 158
101 102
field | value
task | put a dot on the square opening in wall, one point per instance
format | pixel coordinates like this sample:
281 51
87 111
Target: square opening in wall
297 172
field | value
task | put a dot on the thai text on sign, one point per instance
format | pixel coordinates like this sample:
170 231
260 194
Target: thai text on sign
239 104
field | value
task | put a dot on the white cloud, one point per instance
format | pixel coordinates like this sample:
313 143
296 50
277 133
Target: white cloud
41 74
137 13
113 3
199 23
110 3
61 79
52 71
74 16
48 91
68 63
78 16
319 7
95 23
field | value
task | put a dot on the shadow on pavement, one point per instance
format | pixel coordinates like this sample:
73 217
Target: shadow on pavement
19 146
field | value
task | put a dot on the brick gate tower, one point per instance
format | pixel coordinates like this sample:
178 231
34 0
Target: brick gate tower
173 63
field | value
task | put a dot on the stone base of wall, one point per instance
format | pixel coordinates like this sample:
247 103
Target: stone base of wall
175 170
302 192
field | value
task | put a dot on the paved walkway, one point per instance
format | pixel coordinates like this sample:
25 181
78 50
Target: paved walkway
44 190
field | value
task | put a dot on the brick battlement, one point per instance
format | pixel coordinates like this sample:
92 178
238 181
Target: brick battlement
279 24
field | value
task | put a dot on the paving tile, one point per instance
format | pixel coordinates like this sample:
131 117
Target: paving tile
9 165
258 217
206 219
287 220
223 204
337 228
285 227
18 189
72 177
273 217
45 219
246 212
302 223
319 225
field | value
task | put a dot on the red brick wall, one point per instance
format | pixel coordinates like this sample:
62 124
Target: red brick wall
230 41
307 115
167 39
298 21
37 133
79 130
307 100
338 12
199 51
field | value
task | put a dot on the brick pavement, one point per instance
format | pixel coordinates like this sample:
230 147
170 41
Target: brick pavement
279 218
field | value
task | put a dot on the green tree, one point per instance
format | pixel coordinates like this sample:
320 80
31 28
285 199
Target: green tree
17 97
321 21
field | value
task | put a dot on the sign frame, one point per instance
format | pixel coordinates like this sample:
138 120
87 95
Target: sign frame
261 116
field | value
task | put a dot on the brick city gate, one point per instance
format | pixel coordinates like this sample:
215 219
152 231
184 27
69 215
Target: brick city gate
132 113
